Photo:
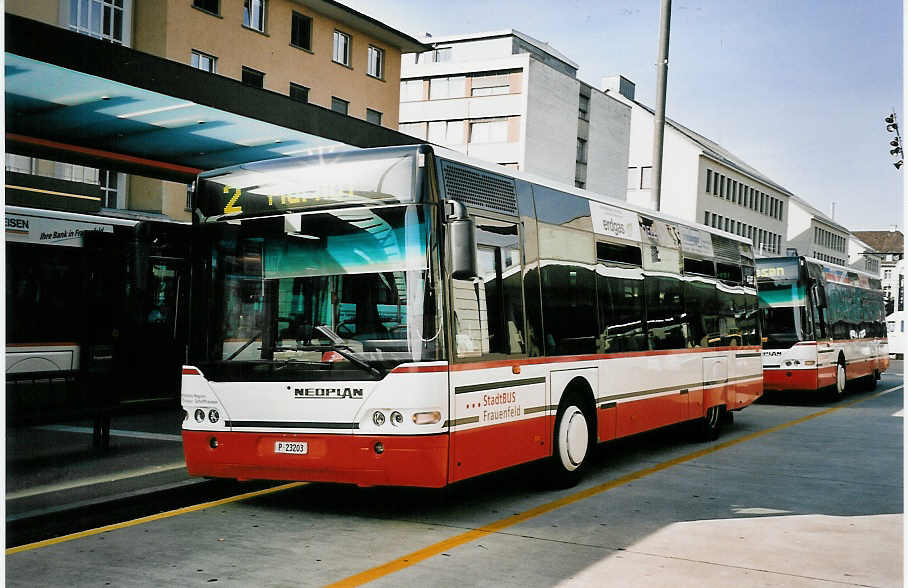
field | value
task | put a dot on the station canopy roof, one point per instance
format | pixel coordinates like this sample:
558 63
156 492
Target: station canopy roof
74 98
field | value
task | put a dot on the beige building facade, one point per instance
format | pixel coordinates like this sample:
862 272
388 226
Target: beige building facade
315 51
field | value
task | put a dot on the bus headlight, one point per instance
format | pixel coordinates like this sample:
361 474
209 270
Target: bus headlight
378 418
426 418
199 415
397 419
213 415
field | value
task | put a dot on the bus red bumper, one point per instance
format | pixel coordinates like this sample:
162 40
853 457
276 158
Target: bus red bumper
790 379
352 459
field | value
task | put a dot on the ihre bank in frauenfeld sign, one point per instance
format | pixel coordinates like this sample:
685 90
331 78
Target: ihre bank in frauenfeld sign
22 228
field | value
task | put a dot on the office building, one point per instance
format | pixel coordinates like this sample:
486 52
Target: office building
508 98
701 180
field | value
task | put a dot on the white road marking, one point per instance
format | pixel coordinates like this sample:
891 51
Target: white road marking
94 480
113 433
900 413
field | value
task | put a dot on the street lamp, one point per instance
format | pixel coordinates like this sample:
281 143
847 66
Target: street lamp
893 127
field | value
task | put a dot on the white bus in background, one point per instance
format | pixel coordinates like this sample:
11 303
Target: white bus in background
895 327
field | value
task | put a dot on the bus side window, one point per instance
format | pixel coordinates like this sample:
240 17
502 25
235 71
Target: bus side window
621 326
569 309
666 326
701 306
488 310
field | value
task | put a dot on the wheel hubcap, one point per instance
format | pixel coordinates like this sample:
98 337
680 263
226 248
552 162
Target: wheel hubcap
573 438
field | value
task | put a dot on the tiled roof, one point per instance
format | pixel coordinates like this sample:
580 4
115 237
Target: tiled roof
883 241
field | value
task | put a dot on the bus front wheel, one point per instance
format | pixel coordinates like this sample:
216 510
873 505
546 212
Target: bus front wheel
573 444
838 389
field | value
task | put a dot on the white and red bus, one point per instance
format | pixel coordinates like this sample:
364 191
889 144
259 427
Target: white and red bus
404 316
824 325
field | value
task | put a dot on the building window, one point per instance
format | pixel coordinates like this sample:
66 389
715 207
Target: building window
579 184
108 181
709 180
254 78
584 109
204 61
435 56
301 31
411 90
453 87
646 178
633 174
338 105
581 150
706 218
254 14
103 19
493 131
376 63
341 48
490 85
75 173
417 129
373 116
27 165
446 132
212 6
299 93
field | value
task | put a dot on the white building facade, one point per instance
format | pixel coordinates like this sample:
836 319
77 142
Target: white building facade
507 98
702 181
863 257
814 234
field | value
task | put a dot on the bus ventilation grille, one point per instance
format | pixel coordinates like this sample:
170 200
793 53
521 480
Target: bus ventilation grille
725 249
479 189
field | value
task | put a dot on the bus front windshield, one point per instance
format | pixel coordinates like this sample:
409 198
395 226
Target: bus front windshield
325 293
784 305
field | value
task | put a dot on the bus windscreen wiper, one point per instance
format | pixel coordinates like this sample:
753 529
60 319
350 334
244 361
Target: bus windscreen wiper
338 345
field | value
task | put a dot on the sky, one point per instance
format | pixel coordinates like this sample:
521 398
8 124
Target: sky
798 89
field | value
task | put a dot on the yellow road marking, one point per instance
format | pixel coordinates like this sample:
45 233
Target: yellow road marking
67 194
150 518
469 536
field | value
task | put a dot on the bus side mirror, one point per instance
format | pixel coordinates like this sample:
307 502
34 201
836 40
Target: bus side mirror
819 295
462 234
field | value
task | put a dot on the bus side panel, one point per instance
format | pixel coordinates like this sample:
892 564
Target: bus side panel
499 418
486 449
652 389
637 416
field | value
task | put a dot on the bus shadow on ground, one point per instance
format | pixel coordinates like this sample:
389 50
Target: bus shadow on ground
488 493
819 398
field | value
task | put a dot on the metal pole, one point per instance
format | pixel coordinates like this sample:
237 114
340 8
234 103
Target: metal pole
659 121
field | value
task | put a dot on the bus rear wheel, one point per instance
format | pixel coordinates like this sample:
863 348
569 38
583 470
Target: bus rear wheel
573 444
711 425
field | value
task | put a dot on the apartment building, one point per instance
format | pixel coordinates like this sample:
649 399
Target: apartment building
890 245
510 99
701 180
315 51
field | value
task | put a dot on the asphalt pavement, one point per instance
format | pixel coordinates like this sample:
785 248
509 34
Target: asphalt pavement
52 469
